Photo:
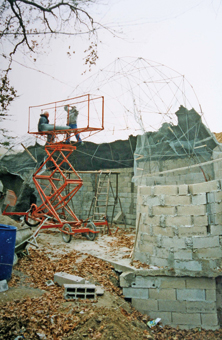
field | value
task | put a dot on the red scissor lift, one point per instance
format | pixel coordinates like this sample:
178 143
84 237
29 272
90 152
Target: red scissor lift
56 179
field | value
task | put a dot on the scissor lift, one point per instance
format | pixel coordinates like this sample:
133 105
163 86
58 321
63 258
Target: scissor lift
56 179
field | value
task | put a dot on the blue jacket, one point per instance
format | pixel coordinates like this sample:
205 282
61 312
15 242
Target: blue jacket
42 120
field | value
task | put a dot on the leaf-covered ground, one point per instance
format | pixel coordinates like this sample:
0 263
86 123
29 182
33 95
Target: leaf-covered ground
50 316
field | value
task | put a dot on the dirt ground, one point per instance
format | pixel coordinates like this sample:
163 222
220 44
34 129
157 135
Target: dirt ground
31 309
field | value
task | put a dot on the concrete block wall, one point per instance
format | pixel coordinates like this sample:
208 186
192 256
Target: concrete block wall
127 192
181 227
181 175
128 189
184 302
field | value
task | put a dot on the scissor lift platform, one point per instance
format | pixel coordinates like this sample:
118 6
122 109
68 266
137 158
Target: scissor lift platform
56 179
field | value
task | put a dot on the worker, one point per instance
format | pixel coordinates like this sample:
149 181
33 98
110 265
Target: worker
43 125
72 121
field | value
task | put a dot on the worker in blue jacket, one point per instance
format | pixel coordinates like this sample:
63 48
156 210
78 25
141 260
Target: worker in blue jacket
42 125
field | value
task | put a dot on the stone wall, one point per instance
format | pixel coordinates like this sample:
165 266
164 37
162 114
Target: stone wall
184 302
181 227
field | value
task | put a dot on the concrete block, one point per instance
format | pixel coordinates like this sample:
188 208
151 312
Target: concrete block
139 293
144 228
162 253
183 189
177 200
142 209
151 201
210 327
189 231
147 238
186 318
155 220
145 190
3 286
162 294
198 188
211 208
217 219
212 218
172 282
142 257
200 221
194 266
191 294
146 282
200 282
191 178
191 210
211 197
170 180
119 217
214 208
99 291
178 220
61 278
181 254
127 279
166 318
206 242
209 319
146 248
209 253
218 196
80 291
145 304
173 242
199 199
158 210
168 231
172 306
159 262
216 230
165 190
210 295
201 307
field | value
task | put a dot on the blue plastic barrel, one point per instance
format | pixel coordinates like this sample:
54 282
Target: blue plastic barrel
7 248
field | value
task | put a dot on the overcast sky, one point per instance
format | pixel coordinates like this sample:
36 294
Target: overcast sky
183 35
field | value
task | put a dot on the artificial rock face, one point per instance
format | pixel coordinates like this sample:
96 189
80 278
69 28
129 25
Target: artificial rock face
190 137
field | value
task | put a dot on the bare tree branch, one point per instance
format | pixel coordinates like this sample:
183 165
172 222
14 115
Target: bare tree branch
23 19
20 19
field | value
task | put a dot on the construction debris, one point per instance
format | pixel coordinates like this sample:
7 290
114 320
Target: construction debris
64 278
50 316
3 286
80 291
